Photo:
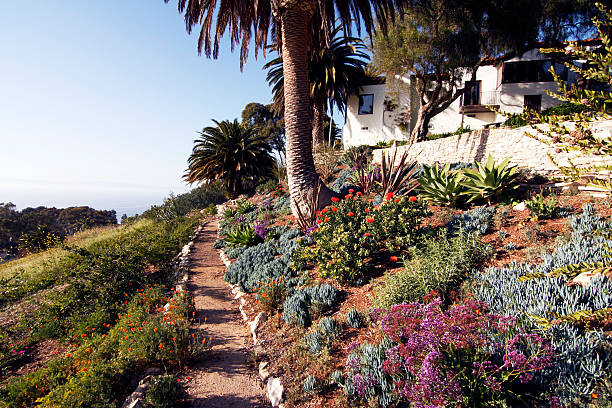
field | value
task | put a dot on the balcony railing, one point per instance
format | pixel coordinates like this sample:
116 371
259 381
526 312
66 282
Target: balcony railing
472 102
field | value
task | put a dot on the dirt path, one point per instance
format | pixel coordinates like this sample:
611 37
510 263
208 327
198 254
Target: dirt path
221 379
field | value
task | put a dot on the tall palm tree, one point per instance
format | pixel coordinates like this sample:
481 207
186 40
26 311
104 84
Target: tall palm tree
291 23
229 152
335 71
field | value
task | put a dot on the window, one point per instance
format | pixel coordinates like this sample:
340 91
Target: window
527 71
366 104
472 93
532 102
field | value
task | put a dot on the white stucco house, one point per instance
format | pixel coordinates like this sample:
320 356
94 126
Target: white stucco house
508 84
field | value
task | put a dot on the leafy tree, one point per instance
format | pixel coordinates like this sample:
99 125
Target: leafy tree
335 71
229 152
440 42
267 123
291 23
569 19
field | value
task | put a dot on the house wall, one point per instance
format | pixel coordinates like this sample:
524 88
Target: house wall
450 119
381 126
372 128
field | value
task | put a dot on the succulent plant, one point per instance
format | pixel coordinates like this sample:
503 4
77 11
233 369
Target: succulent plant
489 180
441 185
310 385
477 220
354 319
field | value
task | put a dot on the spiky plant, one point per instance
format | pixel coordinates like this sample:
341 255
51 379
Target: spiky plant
488 181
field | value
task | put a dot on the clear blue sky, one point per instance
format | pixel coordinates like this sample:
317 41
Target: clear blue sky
100 101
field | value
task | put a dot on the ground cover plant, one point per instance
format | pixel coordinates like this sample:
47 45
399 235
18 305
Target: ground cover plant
104 316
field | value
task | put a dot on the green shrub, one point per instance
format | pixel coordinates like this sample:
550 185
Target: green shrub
460 130
441 185
441 265
489 181
351 230
164 392
271 294
244 206
266 187
543 207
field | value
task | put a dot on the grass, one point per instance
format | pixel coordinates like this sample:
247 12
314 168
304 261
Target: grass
31 266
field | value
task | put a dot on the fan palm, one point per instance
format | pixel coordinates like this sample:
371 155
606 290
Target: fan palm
291 23
335 71
229 152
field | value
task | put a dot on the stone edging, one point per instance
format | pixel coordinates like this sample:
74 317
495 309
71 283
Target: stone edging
274 387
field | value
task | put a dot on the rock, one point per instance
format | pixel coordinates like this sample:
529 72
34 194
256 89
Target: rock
274 390
135 399
239 294
260 318
264 374
519 207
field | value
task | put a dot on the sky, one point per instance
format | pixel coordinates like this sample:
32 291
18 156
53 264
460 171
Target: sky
100 101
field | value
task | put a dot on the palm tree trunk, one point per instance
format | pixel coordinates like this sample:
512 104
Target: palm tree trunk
318 122
301 172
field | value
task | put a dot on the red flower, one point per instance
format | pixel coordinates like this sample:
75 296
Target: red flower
396 200
369 220
367 210
359 193
350 214
351 190
319 213
367 234
412 198
390 195
393 258
334 209
335 199
326 219
324 210
348 196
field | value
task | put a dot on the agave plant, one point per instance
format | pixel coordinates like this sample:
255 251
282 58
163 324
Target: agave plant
242 235
490 181
441 185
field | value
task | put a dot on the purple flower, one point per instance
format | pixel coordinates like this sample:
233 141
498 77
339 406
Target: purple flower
260 229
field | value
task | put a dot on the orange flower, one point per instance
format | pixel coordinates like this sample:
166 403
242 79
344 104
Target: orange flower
412 198
367 210
334 209
324 210
348 196
351 190
264 294
350 214
130 349
155 330
367 234
595 396
393 258
396 200
335 199
369 220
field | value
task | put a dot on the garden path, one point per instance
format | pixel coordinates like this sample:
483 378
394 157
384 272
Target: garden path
221 378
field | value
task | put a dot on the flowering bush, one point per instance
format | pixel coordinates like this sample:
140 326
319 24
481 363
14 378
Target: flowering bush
271 294
352 230
459 357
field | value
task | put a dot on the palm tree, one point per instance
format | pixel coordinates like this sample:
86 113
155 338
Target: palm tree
335 71
230 152
291 23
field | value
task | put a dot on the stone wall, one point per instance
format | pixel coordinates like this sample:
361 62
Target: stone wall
523 150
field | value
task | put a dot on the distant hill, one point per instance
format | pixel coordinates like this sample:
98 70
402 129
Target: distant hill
60 222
